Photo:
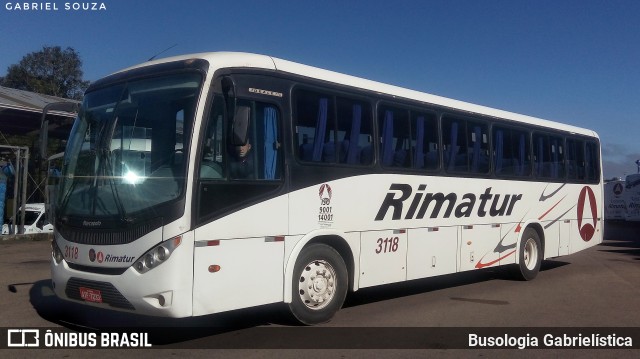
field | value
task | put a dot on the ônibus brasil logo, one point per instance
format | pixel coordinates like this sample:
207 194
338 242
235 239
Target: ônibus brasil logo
587 230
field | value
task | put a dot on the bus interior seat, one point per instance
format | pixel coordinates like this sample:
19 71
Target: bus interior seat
328 152
366 155
306 152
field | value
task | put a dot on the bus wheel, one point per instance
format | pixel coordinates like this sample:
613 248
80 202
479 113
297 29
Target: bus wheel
530 255
320 283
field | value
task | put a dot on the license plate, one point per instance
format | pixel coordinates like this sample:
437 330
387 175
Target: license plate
91 295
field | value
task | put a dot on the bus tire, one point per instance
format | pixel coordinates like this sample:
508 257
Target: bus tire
530 255
319 286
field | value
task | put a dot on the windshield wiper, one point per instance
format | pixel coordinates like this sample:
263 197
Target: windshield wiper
104 164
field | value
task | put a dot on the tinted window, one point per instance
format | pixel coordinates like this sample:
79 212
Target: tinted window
465 145
395 137
592 160
408 139
424 141
576 166
548 152
511 152
258 159
333 129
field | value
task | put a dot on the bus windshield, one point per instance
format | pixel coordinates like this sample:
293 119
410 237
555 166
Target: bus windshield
125 153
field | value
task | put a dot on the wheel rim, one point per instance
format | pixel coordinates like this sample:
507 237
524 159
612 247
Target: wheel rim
530 254
317 285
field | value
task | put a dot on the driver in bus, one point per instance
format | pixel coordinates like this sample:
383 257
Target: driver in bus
241 165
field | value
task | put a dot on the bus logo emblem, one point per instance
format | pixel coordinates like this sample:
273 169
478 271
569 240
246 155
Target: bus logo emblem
587 230
92 255
325 212
325 194
617 189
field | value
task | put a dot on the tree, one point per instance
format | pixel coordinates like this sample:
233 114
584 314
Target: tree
51 71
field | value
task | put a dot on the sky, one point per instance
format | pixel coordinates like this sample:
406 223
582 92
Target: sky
572 61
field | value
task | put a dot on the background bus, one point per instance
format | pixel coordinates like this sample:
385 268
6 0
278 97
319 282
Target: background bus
614 200
631 197
622 199
268 181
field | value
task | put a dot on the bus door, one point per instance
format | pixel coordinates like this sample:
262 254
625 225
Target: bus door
242 215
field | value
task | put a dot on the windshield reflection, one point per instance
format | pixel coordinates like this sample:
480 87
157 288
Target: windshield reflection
126 149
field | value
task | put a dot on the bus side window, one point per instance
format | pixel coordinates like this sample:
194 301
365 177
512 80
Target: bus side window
259 158
331 129
466 146
549 156
424 141
478 147
592 162
313 123
354 145
575 160
268 146
395 142
557 157
511 155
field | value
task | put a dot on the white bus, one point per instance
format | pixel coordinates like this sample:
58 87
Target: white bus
345 183
615 206
631 197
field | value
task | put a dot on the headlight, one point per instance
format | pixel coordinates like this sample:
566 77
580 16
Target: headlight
56 253
156 255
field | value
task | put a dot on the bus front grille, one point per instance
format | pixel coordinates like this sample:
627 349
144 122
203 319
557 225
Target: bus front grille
109 294
107 236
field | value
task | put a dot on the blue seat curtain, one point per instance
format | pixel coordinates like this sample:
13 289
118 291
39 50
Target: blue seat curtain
270 143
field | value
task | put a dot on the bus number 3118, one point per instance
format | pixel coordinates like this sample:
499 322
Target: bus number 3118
387 245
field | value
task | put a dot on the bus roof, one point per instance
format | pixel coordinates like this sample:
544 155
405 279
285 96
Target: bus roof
240 59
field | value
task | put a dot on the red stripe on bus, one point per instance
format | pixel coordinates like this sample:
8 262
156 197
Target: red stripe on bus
482 265
550 209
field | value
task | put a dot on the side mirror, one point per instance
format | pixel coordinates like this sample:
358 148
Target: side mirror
241 114
240 125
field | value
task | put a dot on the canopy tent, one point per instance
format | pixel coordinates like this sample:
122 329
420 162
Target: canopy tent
21 115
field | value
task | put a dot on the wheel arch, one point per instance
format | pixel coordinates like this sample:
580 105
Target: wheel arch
336 240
